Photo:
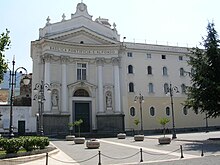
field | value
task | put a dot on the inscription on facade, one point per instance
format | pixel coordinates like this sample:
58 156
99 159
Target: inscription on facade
80 51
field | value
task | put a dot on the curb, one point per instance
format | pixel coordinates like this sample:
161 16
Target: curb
30 157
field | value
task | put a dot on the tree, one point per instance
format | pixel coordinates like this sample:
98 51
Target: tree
4 45
204 94
76 123
163 122
137 122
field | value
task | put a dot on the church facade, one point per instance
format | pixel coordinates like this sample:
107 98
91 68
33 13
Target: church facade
95 77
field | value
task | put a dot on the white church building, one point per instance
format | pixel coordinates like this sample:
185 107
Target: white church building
95 77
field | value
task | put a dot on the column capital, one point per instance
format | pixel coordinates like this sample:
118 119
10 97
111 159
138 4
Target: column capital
115 60
100 61
47 57
64 59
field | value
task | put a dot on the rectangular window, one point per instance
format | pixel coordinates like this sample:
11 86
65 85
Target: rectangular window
180 58
163 56
151 88
148 55
81 71
129 54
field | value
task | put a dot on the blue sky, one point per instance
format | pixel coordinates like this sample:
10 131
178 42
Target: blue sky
165 21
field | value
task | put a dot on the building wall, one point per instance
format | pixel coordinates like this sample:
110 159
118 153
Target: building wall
158 99
19 114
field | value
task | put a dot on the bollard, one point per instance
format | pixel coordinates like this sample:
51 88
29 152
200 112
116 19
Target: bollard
202 154
46 158
181 150
141 155
99 158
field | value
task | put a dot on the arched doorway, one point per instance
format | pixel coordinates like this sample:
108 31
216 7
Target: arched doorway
82 109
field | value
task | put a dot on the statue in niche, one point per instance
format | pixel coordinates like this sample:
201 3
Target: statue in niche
55 98
108 99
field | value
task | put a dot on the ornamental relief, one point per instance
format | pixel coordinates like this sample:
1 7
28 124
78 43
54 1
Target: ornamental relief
50 58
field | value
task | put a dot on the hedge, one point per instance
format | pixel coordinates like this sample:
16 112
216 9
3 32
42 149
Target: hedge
29 143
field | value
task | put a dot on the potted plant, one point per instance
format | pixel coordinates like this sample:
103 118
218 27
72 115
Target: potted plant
70 137
138 137
164 139
78 140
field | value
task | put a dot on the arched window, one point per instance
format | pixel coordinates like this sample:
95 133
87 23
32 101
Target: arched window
152 111
181 72
185 111
168 111
131 87
183 88
149 70
132 111
81 93
165 71
151 88
166 88
130 69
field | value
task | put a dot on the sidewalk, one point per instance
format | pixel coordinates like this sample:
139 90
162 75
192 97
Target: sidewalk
68 153
58 158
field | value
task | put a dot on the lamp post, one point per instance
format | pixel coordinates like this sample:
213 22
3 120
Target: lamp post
206 122
12 83
39 87
140 99
170 90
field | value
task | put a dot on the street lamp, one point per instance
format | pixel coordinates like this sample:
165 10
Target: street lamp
206 122
170 91
12 83
140 99
39 87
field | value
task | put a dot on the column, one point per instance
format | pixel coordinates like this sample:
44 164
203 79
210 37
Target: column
99 62
117 92
64 85
47 103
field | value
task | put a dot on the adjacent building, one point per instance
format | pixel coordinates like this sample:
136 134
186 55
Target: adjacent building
95 77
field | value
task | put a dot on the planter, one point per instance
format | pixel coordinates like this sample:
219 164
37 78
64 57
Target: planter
79 140
121 136
70 138
93 144
164 140
139 137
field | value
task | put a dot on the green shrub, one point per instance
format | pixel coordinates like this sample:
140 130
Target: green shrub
42 142
29 142
1 142
12 145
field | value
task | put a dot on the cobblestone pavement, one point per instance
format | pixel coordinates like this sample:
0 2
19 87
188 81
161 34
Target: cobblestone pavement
127 151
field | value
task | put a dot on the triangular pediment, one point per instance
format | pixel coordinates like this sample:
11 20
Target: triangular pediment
81 84
82 36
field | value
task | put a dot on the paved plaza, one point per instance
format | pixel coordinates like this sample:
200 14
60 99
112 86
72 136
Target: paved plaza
195 150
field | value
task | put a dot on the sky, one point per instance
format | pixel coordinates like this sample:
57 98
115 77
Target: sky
166 22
